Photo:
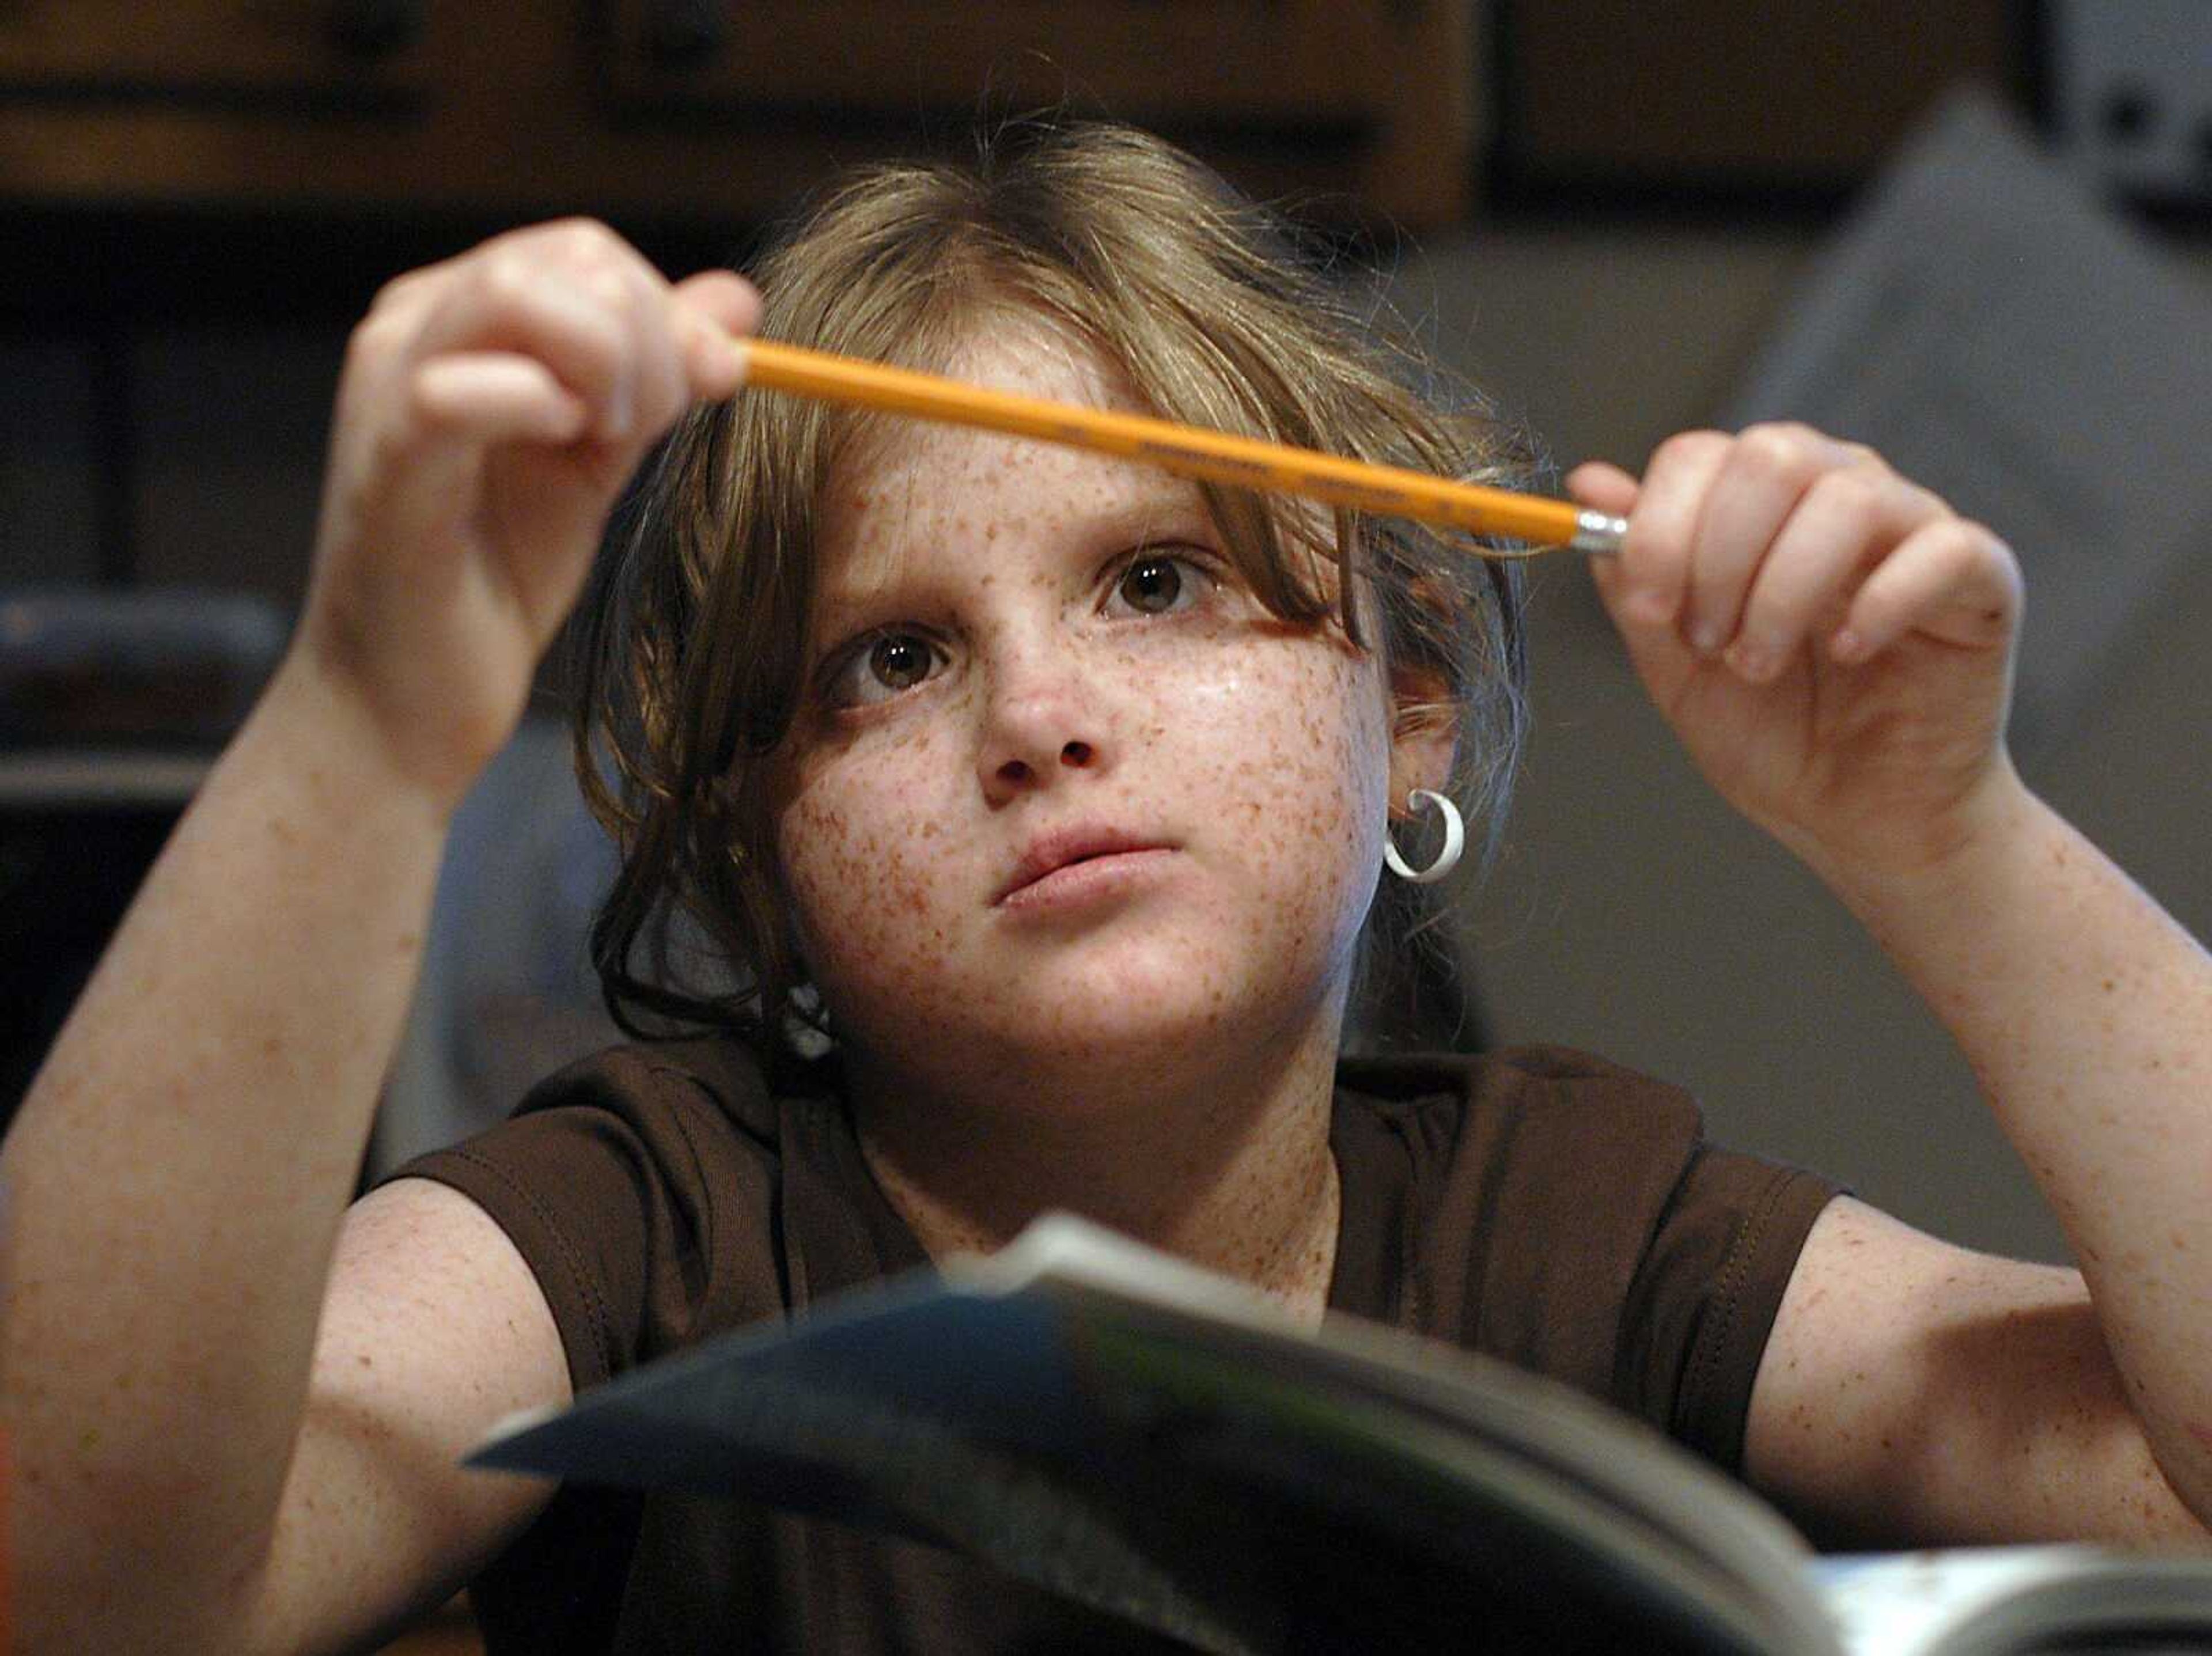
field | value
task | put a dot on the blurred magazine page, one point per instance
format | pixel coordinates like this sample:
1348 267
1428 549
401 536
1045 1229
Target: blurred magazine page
2003 338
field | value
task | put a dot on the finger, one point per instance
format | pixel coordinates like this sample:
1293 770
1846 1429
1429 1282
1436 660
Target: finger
1604 487
652 385
1654 555
513 305
487 397
712 309
1760 482
580 296
659 386
1952 579
1846 524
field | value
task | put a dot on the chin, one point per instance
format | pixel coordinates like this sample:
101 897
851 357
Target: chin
1097 1044
1172 1007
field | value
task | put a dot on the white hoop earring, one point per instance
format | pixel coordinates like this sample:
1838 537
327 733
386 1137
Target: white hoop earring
1447 859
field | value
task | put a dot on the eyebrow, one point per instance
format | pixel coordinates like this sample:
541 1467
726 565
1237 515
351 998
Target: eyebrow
1157 501
1166 498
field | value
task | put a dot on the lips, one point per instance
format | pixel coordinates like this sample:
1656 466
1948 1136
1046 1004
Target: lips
1062 848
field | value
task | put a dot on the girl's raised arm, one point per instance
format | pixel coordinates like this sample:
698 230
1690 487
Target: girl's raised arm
176 1178
1834 647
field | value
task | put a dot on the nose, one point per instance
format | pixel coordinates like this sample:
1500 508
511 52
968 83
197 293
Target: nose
1042 722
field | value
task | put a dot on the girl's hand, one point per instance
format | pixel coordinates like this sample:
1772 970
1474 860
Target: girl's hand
1832 644
491 409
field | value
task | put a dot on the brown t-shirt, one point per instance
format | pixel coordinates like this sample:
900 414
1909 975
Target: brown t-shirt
1538 1205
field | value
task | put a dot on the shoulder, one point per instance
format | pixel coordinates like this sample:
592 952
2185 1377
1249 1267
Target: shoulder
1538 1099
641 1186
644 1081
1531 1184
1566 1213
685 1122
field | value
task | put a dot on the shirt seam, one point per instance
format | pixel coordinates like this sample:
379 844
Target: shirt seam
570 1257
1715 1339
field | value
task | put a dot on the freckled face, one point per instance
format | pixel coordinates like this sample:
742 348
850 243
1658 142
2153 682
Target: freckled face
1063 790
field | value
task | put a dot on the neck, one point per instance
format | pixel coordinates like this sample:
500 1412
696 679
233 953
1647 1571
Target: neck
1228 1167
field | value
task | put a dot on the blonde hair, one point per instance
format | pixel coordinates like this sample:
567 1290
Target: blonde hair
1213 311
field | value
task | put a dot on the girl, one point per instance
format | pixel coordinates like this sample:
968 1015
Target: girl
1054 794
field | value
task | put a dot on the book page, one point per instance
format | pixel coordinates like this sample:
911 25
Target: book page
1994 1601
1896 1604
1155 1441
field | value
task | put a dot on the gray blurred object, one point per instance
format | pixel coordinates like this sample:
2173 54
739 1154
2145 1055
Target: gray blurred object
152 667
2131 93
506 993
2003 337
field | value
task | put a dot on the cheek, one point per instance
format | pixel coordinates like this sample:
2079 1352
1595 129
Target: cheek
1337 785
1302 740
1293 766
864 859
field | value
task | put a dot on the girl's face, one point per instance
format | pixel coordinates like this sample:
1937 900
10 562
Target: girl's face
1061 789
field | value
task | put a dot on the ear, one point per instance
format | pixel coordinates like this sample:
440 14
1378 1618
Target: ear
1423 733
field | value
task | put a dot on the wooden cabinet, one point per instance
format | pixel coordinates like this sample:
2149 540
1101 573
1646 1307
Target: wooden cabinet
1316 63
299 53
707 108
1714 97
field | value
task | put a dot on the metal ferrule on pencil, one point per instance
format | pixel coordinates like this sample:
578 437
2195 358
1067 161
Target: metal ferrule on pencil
1598 532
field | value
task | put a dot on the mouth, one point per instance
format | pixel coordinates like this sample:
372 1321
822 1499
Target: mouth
1067 848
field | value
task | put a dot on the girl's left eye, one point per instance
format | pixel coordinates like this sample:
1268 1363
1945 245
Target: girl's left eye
1159 582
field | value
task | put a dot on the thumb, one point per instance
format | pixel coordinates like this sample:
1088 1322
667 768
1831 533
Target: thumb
1604 486
1610 490
711 308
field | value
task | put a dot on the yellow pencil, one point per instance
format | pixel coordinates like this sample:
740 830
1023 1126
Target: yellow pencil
1388 491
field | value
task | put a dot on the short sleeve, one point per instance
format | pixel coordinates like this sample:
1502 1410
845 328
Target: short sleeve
1705 1295
633 1189
1567 1216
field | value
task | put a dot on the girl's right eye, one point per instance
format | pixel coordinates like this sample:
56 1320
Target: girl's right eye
877 669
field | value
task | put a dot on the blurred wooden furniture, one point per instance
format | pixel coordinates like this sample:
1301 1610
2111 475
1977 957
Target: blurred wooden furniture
720 108
1626 101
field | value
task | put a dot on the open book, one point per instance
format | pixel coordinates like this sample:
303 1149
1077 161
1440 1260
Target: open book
1163 1444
